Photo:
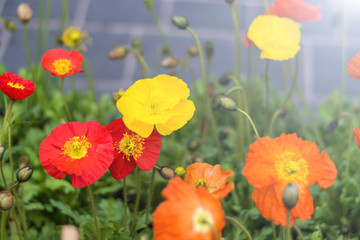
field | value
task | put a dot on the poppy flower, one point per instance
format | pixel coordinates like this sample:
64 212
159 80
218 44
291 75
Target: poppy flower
353 67
271 164
161 102
187 213
297 10
131 150
83 150
62 63
277 38
16 87
357 136
73 36
211 177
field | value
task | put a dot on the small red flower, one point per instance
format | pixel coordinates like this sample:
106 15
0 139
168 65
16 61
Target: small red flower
353 67
297 10
16 87
132 150
62 63
83 150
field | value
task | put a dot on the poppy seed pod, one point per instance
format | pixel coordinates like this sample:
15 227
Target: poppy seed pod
24 174
167 173
119 52
290 195
24 13
180 22
6 200
226 79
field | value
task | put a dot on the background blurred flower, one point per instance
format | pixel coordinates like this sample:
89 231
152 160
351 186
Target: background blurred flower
62 63
211 177
73 36
353 67
271 164
83 150
131 150
187 213
161 102
277 38
297 10
357 136
16 87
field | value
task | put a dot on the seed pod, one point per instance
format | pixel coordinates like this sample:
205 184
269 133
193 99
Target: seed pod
167 173
149 4
290 195
119 52
180 22
24 174
229 1
6 200
24 13
170 62
226 79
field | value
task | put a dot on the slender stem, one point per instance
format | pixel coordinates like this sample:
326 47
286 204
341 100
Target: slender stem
215 231
239 225
343 55
26 45
350 139
183 64
201 56
273 120
273 230
137 201
64 98
21 214
267 90
150 193
237 40
93 213
65 12
39 31
301 235
288 233
251 122
3 223
47 21
144 66
266 5
10 153
16 220
125 204
89 74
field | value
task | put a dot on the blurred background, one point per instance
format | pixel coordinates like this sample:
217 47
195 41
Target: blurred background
326 44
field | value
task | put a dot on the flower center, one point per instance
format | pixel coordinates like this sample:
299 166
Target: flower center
76 147
202 220
75 36
62 66
16 85
201 182
131 145
291 167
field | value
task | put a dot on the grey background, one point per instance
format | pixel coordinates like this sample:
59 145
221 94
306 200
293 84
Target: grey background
117 22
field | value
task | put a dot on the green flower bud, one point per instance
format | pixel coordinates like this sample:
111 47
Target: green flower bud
290 195
226 79
2 150
6 200
332 125
167 173
193 51
24 174
170 62
180 22
119 52
149 4
227 103
215 103
180 171
10 25
209 50
136 44
197 158
345 230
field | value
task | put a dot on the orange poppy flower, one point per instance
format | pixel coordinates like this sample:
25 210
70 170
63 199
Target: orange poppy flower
357 136
297 10
187 213
62 63
210 177
273 163
16 87
353 67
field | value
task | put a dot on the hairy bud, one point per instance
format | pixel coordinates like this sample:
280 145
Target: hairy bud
290 195
119 52
24 13
180 22
24 174
6 200
167 173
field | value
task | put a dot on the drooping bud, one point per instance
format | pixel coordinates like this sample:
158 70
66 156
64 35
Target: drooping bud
180 22
136 44
165 50
167 173
282 112
290 195
215 103
227 103
119 52
193 51
24 174
2 150
332 125
10 25
149 4
180 171
170 62
209 50
197 158
224 133
6 200
24 161
192 145
24 13
226 79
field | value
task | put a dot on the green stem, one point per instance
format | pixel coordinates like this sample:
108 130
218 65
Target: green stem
93 213
144 66
64 98
288 233
47 21
300 234
184 63
89 74
267 90
237 40
10 153
3 223
16 220
266 6
39 31
250 120
273 120
273 230
21 214
350 140
343 55
137 201
149 199
215 231
65 12
239 225
26 45
125 205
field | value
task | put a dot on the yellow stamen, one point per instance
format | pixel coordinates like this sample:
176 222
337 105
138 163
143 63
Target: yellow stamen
131 145
201 182
291 167
62 66
202 220
16 85
76 147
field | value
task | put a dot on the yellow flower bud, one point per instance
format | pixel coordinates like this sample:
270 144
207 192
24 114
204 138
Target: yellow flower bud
180 171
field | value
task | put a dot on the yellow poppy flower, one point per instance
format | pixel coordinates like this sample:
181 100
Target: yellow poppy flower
278 38
161 102
74 37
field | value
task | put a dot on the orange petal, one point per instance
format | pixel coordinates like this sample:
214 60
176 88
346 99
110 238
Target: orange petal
357 136
353 67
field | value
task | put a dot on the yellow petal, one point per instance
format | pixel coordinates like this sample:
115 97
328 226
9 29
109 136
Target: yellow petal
141 128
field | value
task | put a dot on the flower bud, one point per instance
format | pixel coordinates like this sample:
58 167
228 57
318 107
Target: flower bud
165 50
332 125
2 150
6 200
290 195
24 174
167 173
119 52
283 112
193 51
229 1
180 171
227 103
149 4
226 79
180 22
10 25
170 62
345 230
136 44
24 13
209 50
24 161
196 158
192 145
224 133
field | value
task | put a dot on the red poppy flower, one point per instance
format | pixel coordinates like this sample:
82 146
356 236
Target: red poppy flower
83 150
187 213
62 63
16 87
353 67
132 150
357 136
297 10
273 163
210 177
